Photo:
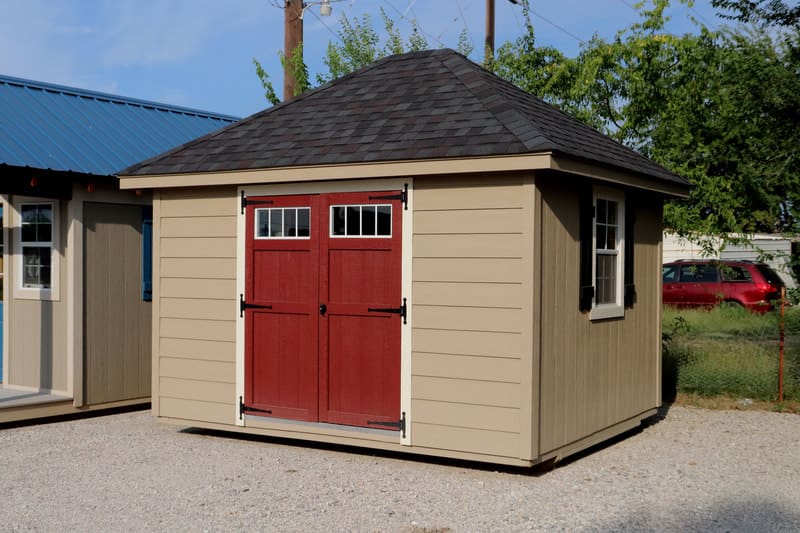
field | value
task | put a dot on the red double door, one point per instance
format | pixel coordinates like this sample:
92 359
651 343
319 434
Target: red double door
323 308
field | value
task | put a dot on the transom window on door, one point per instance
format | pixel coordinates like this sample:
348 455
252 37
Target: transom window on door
283 223
609 231
36 241
361 220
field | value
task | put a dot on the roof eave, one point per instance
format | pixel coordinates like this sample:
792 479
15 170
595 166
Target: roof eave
389 169
619 176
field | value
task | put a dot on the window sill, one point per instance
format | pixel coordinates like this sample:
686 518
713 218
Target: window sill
28 293
601 312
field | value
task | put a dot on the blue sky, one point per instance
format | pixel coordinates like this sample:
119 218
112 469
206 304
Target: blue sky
198 53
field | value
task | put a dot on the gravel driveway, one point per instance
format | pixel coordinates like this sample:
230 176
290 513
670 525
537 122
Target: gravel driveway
695 470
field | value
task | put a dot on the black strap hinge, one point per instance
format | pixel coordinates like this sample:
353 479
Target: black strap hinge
247 409
246 202
244 305
400 424
395 310
403 197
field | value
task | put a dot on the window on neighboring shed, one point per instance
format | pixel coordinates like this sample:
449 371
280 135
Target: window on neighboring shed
36 249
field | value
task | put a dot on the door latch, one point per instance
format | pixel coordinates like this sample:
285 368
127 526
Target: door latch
323 309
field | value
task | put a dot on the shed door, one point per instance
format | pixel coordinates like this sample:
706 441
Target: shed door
117 318
323 304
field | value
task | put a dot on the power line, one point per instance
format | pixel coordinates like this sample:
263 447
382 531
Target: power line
464 20
415 23
564 31
321 21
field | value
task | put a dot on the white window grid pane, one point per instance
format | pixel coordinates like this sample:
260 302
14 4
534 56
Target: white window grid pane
376 208
36 210
270 223
608 256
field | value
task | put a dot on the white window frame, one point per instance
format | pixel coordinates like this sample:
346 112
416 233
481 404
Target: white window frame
616 309
376 206
51 293
283 220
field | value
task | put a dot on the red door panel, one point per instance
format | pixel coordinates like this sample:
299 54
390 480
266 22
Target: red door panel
359 348
363 370
282 272
340 366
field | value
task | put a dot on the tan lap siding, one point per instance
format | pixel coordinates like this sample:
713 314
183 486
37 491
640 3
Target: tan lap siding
594 374
196 294
469 314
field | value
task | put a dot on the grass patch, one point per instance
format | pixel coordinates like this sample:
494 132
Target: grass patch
729 353
735 404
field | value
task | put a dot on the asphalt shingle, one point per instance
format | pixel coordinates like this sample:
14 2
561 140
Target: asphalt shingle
421 105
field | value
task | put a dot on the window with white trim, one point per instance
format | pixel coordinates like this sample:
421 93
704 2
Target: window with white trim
283 223
369 220
36 249
608 246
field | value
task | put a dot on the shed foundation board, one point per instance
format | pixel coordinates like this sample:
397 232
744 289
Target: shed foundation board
351 441
58 406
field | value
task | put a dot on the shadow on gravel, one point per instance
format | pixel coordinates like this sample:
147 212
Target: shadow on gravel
748 515
534 471
74 416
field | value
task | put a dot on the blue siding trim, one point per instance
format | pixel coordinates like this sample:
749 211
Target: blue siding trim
147 254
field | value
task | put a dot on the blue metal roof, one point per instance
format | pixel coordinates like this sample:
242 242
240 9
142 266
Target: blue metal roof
61 128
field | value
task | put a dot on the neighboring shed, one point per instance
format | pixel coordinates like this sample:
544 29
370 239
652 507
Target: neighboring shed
76 313
407 259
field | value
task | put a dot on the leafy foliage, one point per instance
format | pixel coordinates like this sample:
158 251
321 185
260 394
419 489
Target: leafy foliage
764 12
359 45
719 108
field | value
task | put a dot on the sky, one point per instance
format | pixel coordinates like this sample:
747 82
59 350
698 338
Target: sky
198 53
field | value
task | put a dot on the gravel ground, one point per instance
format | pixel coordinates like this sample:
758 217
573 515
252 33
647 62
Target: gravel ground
695 470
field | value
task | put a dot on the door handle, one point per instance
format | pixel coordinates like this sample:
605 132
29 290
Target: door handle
322 309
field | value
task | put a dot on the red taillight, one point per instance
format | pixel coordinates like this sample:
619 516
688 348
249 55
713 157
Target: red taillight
763 286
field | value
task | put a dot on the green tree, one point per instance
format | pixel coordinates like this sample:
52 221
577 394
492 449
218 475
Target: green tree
359 45
719 108
763 12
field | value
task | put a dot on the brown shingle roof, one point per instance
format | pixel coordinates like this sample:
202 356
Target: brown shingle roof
421 105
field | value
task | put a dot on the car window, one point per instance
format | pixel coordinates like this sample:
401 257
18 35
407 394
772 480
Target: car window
735 273
770 275
669 274
699 273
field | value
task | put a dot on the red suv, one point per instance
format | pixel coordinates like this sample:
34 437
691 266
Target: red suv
698 283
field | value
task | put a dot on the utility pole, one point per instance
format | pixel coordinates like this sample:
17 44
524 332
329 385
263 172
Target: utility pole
489 46
292 38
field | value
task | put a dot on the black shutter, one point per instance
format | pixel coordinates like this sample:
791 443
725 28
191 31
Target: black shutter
586 294
630 220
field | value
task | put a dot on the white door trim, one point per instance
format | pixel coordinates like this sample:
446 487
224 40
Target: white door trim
406 262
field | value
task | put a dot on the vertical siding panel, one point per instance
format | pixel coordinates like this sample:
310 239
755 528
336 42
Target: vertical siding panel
606 371
117 351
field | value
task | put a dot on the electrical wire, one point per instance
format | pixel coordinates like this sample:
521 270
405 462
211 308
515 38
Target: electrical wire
415 22
564 31
464 19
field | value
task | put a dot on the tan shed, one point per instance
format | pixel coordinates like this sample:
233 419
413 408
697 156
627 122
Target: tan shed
75 289
416 257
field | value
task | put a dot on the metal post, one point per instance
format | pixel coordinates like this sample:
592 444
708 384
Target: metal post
781 344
